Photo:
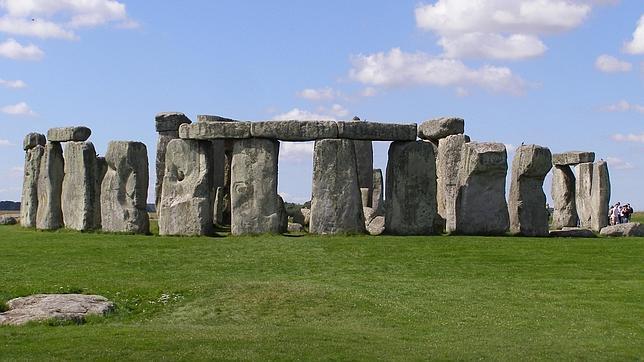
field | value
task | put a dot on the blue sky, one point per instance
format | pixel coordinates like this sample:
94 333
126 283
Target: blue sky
567 74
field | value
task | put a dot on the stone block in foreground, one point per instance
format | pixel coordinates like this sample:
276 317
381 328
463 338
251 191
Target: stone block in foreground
39 307
627 229
69 134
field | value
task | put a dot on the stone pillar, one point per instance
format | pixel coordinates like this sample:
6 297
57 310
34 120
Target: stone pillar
411 189
377 196
448 162
186 200
167 126
34 149
563 197
255 206
364 164
600 195
481 208
124 191
527 202
101 170
583 190
50 184
336 206
79 193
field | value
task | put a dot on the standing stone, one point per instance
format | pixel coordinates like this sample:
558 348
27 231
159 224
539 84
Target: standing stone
481 208
377 195
600 196
167 125
32 140
583 190
79 186
50 185
527 201
448 162
364 163
29 199
336 206
124 191
219 206
186 201
411 189
255 205
101 170
563 197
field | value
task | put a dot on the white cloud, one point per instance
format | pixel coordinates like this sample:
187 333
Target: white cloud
4 143
18 109
623 106
397 68
636 45
335 112
296 151
38 28
318 94
619 164
294 198
609 64
492 46
628 137
13 83
19 170
13 50
369 92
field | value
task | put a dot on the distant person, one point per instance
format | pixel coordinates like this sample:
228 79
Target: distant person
627 211
611 216
617 214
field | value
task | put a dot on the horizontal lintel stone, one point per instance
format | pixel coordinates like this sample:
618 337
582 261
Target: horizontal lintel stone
572 158
377 131
436 129
68 134
294 130
215 130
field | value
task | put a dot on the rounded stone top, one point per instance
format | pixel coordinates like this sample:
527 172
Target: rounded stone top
32 140
170 121
356 118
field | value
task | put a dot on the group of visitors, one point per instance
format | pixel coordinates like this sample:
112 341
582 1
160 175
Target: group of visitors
620 214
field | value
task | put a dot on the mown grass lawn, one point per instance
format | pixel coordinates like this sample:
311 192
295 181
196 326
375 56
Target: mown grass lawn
342 298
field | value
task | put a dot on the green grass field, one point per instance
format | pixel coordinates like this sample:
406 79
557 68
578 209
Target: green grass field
338 298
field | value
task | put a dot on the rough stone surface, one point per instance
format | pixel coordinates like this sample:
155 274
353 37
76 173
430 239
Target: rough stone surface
378 194
481 208
186 200
306 213
435 129
40 307
572 158
213 118
336 206
78 201
50 185
583 192
8 220
124 190
101 170
32 140
29 199
283 215
219 206
69 134
411 189
448 162
527 201
377 131
215 130
294 227
255 206
627 229
170 121
376 226
364 163
369 214
294 130
563 197
573 233
600 196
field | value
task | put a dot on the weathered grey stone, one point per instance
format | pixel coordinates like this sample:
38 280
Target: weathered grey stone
373 131
219 206
255 206
50 184
527 201
215 130
627 229
563 197
448 162
377 195
170 121
32 140
336 206
294 130
101 170
124 190
364 196
369 214
283 215
79 193
435 129
306 213
213 118
481 208
583 192
8 220
74 307
572 158
69 134
364 163
376 226
29 199
572 233
186 201
294 227
411 189
600 196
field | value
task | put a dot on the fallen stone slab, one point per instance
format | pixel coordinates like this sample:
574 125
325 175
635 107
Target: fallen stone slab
373 131
572 233
627 229
572 158
32 140
435 129
170 121
69 134
8 220
215 130
376 226
294 130
39 307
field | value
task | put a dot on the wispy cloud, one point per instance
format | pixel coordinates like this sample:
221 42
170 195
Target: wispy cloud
619 164
5 143
13 83
628 137
18 109
609 64
11 49
319 94
623 106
